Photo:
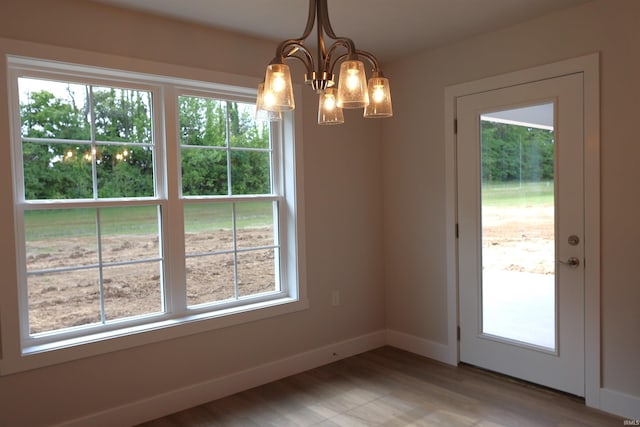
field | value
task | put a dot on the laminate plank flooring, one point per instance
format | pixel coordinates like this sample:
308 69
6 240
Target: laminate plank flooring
391 387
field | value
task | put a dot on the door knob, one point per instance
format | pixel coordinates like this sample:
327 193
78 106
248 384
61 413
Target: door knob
572 262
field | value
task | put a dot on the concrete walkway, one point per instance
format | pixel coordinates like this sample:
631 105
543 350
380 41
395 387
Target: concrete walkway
519 306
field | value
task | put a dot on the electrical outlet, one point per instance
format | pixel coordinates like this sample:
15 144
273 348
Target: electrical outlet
335 298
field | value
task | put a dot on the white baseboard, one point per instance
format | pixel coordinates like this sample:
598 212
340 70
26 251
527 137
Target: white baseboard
421 346
197 394
163 404
621 404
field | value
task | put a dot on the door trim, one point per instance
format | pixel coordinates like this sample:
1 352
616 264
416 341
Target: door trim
589 66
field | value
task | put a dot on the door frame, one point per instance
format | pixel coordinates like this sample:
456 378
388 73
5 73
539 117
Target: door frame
589 66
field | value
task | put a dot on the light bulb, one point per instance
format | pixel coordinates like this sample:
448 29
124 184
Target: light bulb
378 93
269 99
262 114
278 90
328 111
278 82
329 103
353 80
352 85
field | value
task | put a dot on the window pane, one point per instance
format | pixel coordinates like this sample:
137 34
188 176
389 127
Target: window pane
204 172
254 224
62 300
518 226
130 233
57 171
244 130
210 279
125 171
203 121
122 115
60 238
132 290
50 109
208 228
256 272
250 172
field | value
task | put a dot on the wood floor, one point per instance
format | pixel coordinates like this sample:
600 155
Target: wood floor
390 387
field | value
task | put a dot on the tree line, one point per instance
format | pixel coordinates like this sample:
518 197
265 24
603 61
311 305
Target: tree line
516 153
121 120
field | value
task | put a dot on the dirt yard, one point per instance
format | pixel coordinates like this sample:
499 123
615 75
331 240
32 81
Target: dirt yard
72 298
514 240
519 239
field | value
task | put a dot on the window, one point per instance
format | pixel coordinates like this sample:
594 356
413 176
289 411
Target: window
230 244
144 202
91 243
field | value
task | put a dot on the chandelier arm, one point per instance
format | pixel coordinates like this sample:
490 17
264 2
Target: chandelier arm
282 47
328 65
322 49
311 17
323 21
288 49
371 58
307 59
338 59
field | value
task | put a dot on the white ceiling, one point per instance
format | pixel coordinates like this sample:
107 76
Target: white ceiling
388 28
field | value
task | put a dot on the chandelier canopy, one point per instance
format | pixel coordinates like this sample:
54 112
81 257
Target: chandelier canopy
352 90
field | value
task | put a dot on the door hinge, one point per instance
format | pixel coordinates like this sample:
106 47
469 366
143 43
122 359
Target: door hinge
455 126
457 231
458 333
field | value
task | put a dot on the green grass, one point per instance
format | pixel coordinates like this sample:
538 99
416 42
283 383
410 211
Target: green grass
81 222
217 216
512 194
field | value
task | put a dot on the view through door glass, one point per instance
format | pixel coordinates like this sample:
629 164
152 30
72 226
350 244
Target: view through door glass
518 248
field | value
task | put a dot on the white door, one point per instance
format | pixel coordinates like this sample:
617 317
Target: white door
521 231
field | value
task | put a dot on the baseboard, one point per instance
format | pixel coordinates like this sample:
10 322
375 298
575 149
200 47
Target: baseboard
197 394
421 346
163 404
624 405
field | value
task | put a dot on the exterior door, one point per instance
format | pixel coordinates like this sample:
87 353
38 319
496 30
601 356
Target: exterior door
521 231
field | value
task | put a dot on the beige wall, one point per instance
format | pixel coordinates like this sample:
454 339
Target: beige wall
414 168
365 183
343 205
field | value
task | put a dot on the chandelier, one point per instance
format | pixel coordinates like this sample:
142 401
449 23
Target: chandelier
351 90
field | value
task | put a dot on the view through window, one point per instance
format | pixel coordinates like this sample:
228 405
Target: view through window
106 244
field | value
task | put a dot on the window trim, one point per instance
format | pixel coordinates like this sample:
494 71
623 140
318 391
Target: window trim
14 356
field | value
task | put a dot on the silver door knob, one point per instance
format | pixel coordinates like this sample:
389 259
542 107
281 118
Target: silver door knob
572 262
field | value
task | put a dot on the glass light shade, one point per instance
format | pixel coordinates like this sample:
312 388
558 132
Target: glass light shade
352 85
278 90
262 114
379 98
328 111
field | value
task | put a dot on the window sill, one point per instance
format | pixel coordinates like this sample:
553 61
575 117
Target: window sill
41 355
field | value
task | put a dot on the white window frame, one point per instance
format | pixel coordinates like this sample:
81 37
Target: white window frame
19 350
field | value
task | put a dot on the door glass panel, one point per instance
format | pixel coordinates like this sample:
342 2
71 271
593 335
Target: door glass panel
518 249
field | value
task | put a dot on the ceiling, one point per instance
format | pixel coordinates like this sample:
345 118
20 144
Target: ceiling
389 29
